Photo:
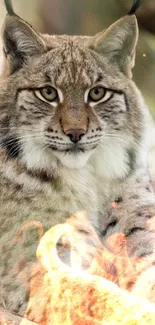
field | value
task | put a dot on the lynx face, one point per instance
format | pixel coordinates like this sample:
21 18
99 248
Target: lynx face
70 96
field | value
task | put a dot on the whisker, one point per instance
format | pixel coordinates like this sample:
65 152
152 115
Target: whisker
104 145
12 154
43 148
21 141
117 137
15 128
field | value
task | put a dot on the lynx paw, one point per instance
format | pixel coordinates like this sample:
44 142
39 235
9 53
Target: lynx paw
14 295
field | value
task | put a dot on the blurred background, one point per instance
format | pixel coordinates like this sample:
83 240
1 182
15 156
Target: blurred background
92 16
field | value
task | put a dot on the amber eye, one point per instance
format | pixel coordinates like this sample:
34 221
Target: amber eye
96 94
49 93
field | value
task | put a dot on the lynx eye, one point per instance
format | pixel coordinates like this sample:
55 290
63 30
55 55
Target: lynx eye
49 93
96 94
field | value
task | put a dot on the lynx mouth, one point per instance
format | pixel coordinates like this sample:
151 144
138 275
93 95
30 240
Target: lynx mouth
74 149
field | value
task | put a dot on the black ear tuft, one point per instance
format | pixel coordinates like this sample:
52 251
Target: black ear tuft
135 6
9 7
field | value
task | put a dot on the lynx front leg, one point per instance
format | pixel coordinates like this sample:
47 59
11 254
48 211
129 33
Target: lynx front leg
133 216
14 295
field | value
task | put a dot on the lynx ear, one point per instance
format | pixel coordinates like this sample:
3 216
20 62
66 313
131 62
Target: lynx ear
118 43
20 41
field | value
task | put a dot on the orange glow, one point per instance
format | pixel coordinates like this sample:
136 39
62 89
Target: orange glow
114 204
81 294
92 288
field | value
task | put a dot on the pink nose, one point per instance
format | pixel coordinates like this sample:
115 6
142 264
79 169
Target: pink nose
75 135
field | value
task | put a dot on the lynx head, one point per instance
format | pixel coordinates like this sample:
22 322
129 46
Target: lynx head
65 99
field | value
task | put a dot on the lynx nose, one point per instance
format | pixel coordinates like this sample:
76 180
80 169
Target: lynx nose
75 134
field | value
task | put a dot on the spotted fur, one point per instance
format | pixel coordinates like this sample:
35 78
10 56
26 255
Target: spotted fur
44 176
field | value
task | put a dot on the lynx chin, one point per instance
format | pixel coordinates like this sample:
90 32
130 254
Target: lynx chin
73 136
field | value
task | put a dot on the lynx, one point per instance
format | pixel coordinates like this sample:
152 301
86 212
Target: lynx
73 136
